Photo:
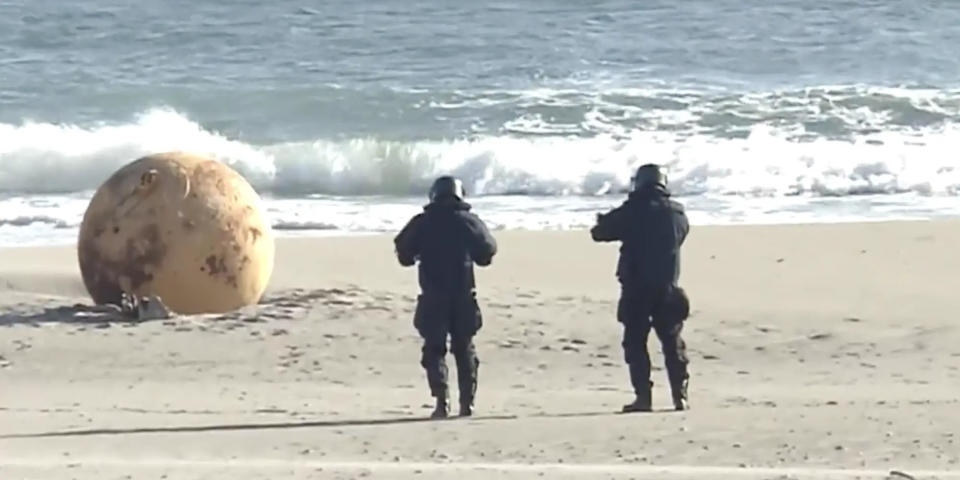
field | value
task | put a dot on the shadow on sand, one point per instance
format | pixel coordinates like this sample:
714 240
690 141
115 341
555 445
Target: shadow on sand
274 304
247 426
313 424
75 314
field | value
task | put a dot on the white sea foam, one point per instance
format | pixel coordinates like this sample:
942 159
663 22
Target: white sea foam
768 161
754 158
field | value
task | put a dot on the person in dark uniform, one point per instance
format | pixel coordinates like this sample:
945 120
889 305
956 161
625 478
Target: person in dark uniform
447 239
651 228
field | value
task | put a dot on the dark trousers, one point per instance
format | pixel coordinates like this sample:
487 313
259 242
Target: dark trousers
458 316
664 309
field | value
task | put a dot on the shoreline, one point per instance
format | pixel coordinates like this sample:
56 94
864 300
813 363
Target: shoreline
332 259
297 233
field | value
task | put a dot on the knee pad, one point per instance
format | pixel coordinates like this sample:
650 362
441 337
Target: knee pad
431 353
463 347
669 349
631 356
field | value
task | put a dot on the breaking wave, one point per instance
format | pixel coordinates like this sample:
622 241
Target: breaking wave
814 143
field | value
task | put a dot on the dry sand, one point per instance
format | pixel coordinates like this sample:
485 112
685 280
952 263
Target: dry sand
825 351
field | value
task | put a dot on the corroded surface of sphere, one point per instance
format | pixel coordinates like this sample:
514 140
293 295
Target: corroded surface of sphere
183 227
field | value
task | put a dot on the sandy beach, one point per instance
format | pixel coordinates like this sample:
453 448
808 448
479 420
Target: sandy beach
817 351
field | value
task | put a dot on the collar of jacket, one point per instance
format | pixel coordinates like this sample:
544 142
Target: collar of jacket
447 204
649 192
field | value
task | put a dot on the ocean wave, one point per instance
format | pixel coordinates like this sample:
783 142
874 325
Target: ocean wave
30 221
771 151
835 111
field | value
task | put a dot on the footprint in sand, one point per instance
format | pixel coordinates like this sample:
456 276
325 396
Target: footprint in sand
375 307
338 301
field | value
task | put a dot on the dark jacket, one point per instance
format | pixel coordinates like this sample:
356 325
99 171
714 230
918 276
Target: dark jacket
447 238
651 227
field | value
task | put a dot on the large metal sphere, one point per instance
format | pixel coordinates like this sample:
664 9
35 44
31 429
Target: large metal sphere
183 227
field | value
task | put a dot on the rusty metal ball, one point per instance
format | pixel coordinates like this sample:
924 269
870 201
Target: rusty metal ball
186 228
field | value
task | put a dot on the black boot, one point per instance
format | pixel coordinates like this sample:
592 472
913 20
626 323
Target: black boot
642 386
442 410
680 399
468 371
466 408
643 402
468 389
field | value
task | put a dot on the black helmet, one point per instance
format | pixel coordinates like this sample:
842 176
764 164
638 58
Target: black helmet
446 186
647 176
